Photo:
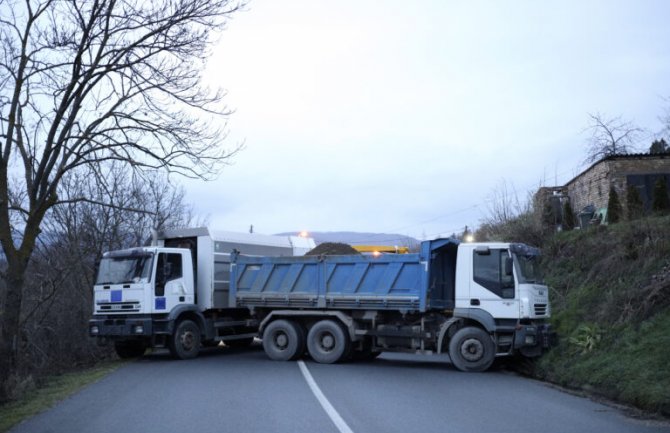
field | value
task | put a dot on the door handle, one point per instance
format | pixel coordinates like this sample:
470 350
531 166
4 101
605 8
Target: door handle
474 301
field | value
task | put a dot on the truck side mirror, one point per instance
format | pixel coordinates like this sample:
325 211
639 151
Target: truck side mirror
508 266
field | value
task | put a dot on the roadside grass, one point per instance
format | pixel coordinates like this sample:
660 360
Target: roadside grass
610 289
628 364
54 389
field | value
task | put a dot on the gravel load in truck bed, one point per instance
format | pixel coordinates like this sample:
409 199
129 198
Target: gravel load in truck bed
332 249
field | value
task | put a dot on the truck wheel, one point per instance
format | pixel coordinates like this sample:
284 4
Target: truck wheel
327 342
472 349
283 340
185 342
130 349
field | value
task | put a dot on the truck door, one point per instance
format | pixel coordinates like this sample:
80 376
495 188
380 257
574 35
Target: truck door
492 287
170 287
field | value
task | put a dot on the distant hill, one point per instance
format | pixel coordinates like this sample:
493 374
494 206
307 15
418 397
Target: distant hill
357 238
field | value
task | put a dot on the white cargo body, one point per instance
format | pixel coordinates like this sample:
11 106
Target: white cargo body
211 251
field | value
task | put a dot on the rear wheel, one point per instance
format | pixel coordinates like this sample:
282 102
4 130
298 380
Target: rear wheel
327 342
130 349
284 340
185 342
472 349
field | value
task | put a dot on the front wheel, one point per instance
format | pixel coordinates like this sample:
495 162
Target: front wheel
185 342
472 349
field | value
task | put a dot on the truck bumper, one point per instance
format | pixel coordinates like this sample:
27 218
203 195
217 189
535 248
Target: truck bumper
531 340
123 328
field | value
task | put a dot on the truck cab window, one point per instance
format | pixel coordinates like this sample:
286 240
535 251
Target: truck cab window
174 260
168 268
490 273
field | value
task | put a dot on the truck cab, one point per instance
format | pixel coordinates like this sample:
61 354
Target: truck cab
143 281
503 280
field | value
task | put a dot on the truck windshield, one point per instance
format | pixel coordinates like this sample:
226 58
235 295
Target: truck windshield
129 269
528 268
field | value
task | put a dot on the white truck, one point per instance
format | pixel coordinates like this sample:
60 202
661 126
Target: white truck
475 302
175 293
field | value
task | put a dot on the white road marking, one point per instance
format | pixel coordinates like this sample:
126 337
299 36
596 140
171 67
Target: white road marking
325 404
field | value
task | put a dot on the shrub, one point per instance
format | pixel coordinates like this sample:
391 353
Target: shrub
613 207
634 206
661 202
568 216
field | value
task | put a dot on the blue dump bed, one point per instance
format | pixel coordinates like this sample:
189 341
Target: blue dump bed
387 282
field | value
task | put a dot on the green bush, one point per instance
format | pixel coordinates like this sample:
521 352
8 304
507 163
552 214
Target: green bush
613 207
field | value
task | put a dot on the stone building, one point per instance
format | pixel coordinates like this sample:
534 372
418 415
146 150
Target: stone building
588 192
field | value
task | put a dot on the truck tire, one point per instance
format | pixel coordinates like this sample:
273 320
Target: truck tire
328 343
130 349
185 342
284 340
472 349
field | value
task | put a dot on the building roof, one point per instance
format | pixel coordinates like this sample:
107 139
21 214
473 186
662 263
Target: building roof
629 156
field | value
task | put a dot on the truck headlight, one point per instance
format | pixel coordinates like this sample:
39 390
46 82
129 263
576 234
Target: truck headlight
94 330
138 329
530 340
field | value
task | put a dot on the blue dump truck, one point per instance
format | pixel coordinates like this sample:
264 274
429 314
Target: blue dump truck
196 287
473 301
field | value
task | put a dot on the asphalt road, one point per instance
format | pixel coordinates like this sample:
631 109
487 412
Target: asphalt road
227 390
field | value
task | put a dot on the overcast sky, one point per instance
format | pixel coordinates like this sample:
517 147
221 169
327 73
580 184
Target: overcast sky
403 117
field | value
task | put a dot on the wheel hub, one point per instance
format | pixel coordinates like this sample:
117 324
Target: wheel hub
187 340
472 350
281 340
327 342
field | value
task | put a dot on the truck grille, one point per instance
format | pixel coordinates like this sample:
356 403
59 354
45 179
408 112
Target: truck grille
117 307
540 309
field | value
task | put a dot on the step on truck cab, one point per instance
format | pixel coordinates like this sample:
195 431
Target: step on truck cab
474 301
175 293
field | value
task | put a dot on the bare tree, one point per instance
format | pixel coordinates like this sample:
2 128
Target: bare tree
88 82
610 136
57 296
504 204
511 218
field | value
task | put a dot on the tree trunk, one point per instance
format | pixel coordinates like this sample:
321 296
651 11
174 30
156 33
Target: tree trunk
9 326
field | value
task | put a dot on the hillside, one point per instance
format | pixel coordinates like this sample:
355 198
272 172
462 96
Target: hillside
611 301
